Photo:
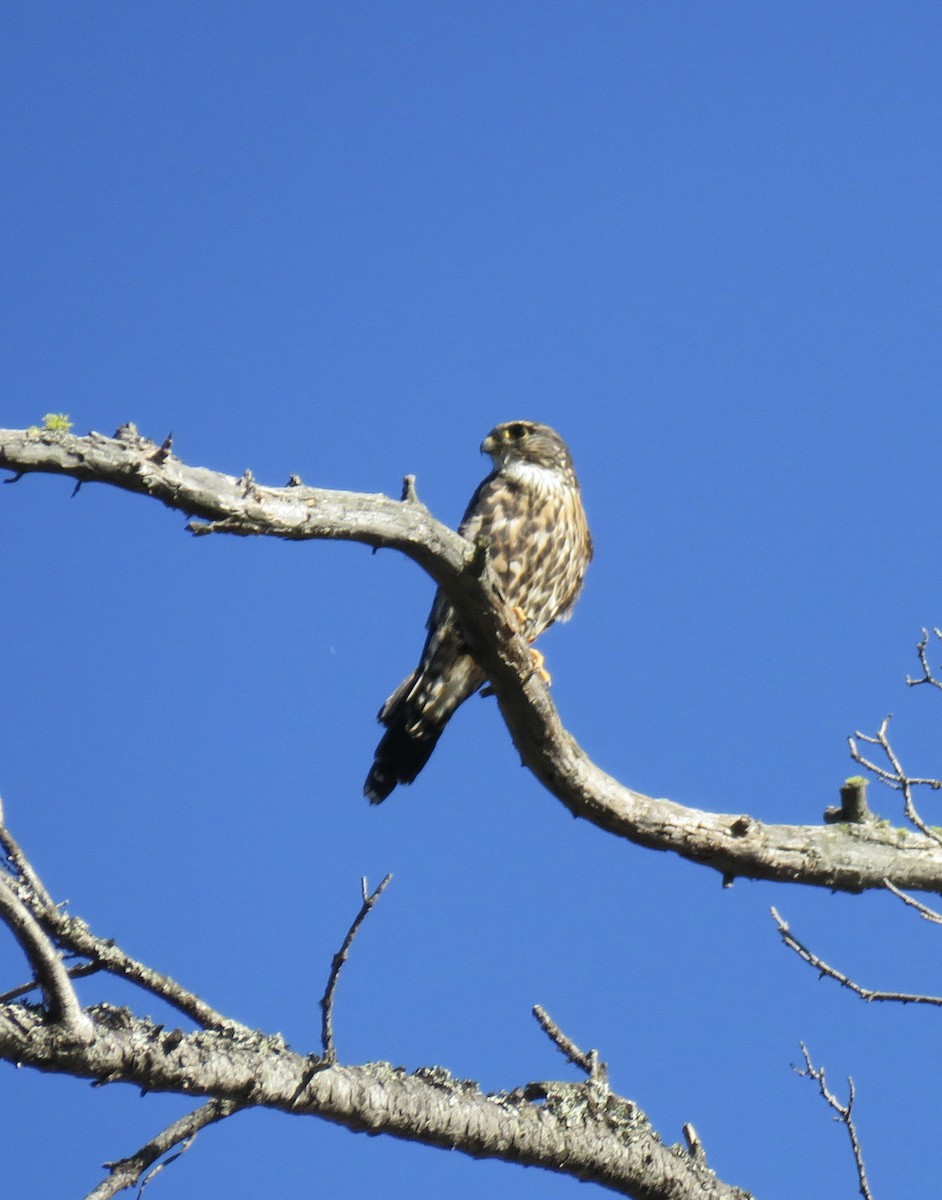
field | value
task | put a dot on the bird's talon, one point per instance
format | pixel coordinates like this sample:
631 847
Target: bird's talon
538 661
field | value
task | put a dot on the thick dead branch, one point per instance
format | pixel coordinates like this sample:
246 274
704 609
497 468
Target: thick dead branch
844 857
584 1130
844 1113
611 1144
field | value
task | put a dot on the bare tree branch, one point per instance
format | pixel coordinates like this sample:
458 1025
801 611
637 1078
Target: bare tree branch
73 935
327 1001
570 1132
922 650
843 857
79 972
20 865
583 1129
821 966
62 1004
844 1113
927 913
589 1062
127 1172
897 779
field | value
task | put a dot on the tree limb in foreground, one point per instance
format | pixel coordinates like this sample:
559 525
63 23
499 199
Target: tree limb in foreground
847 856
581 1129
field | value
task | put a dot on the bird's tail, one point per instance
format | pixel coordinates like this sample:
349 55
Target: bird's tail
415 716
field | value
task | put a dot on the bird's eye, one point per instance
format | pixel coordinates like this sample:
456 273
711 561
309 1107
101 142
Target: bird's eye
517 431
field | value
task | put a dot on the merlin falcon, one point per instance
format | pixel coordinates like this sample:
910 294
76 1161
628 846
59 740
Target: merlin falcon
529 513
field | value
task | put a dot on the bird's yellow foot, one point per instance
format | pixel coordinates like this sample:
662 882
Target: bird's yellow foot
538 661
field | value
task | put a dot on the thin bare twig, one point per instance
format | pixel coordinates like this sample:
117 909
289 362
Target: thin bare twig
921 649
126 1172
868 994
24 989
62 1004
72 934
327 1000
844 1113
927 913
589 1062
897 778
20 863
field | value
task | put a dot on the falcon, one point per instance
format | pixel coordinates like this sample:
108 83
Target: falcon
529 513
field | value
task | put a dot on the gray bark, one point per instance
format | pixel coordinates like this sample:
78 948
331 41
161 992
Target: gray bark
846 856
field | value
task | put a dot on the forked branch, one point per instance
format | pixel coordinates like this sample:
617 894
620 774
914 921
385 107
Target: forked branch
844 1113
580 1129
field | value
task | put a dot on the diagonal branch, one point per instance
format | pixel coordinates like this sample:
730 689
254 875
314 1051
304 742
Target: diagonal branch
589 1062
20 864
126 1172
927 913
842 857
824 968
43 923
62 1003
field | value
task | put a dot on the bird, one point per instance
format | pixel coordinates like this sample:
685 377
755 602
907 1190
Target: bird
528 513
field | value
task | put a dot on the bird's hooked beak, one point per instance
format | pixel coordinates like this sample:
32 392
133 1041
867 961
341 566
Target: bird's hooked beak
489 445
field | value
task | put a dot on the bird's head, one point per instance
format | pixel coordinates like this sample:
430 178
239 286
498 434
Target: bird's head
526 442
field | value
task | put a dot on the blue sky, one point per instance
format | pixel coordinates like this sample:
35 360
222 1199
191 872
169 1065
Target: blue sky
344 240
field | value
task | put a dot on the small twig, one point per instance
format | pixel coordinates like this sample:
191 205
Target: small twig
844 1113
897 778
921 648
927 913
163 451
20 863
694 1145
126 1172
589 1062
72 934
327 1000
24 989
821 966
62 1004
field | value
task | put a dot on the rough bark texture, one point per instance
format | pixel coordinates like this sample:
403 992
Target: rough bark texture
576 1129
850 857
